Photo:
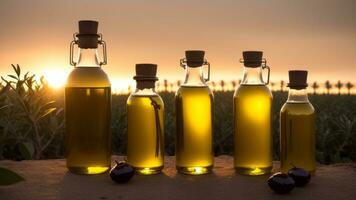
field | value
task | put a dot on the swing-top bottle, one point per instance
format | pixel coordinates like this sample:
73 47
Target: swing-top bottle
194 118
87 104
252 118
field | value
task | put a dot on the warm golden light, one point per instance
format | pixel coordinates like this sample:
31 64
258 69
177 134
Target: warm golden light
56 78
257 171
147 171
122 85
97 170
197 170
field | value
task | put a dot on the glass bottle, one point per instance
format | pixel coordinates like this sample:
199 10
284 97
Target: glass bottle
194 118
297 126
252 118
145 123
87 105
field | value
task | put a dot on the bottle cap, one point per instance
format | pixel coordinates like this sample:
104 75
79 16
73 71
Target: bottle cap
195 58
88 34
88 27
298 79
146 71
145 75
252 58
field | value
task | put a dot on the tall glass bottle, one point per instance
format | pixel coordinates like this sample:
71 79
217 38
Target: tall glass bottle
194 118
252 118
145 123
87 105
297 126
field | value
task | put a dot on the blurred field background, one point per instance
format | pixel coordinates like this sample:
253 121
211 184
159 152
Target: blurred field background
32 118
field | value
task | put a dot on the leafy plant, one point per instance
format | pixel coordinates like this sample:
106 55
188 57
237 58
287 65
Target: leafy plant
9 177
30 119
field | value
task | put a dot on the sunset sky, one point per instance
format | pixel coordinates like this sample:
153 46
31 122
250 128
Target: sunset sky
317 35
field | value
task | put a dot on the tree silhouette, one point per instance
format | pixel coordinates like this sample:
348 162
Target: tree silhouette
158 86
171 85
213 85
222 84
315 86
328 86
165 84
178 83
349 86
272 85
339 86
282 85
233 83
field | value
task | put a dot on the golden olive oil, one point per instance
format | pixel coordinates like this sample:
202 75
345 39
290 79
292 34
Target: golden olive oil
145 136
253 131
88 142
297 136
194 115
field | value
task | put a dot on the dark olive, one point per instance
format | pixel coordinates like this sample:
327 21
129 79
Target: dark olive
281 183
300 176
121 172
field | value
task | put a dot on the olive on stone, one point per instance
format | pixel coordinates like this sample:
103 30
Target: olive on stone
300 176
281 183
122 172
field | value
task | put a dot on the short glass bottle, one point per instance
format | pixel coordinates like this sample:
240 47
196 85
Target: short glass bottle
297 126
88 106
145 123
252 119
194 118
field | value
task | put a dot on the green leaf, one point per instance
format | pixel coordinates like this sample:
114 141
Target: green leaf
18 71
42 80
27 150
12 76
25 76
9 177
3 107
59 111
15 68
6 81
47 112
47 104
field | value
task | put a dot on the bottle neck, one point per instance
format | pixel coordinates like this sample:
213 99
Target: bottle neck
252 76
88 58
194 76
145 92
297 96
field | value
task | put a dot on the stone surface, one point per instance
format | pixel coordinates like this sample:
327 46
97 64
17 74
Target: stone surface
49 179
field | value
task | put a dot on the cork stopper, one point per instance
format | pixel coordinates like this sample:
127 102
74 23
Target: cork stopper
88 34
195 58
298 79
88 27
252 58
145 75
